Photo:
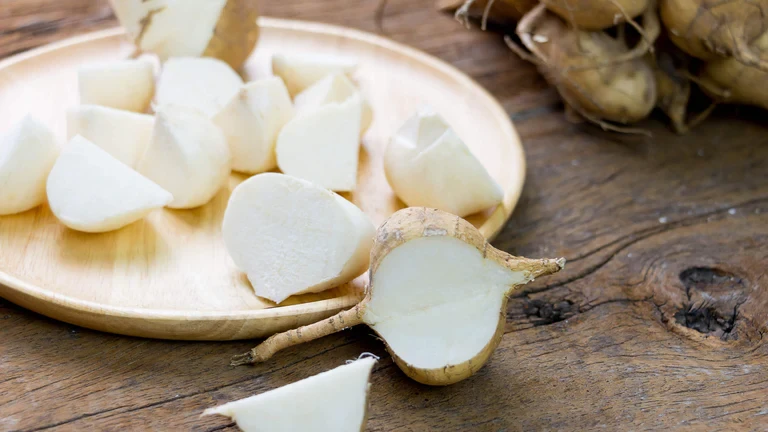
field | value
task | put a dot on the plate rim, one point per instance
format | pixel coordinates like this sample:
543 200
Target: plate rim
490 228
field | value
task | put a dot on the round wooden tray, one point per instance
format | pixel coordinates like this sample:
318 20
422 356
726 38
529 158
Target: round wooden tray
169 275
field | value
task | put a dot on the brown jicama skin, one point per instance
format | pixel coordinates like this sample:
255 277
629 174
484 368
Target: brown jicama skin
596 74
673 86
402 227
711 29
596 14
729 80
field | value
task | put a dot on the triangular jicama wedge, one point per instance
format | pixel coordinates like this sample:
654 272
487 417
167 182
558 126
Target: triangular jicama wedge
335 400
123 134
89 190
27 154
323 145
223 29
203 83
335 88
126 84
188 156
301 70
428 165
437 297
251 121
293 237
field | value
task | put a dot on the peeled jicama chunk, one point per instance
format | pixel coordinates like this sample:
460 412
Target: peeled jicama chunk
203 83
437 297
292 237
428 165
335 88
188 156
223 29
335 400
251 121
27 154
127 85
123 134
91 191
301 70
323 145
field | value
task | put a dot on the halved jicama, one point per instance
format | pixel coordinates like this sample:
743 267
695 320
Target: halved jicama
251 121
293 237
123 134
27 154
428 165
223 29
188 156
323 145
335 88
335 400
301 70
437 297
203 83
127 84
89 190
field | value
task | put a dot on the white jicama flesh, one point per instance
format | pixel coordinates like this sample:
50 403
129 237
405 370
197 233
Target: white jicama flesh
335 400
91 191
203 83
335 88
127 84
437 297
223 29
251 121
323 146
123 134
188 156
293 237
428 165
27 154
301 70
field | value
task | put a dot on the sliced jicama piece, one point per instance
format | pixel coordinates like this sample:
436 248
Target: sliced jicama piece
123 134
428 165
89 190
335 400
335 88
27 154
127 84
301 70
223 29
203 83
251 121
188 156
292 237
323 145
437 297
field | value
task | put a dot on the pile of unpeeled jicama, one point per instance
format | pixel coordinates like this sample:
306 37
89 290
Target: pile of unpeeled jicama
613 61
437 292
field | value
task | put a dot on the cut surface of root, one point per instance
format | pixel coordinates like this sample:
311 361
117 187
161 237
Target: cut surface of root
437 297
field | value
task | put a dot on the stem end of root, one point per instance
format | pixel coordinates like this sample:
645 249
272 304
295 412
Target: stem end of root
242 359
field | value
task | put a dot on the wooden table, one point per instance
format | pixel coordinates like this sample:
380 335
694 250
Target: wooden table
656 323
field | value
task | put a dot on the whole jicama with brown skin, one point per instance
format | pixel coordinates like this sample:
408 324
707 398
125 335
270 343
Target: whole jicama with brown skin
731 81
712 29
596 14
593 72
437 297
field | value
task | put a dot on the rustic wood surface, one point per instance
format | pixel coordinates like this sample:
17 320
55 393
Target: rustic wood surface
657 323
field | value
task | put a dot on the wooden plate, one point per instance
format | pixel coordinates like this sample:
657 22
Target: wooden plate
169 275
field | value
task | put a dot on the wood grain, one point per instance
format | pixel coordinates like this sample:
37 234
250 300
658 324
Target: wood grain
169 275
657 322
